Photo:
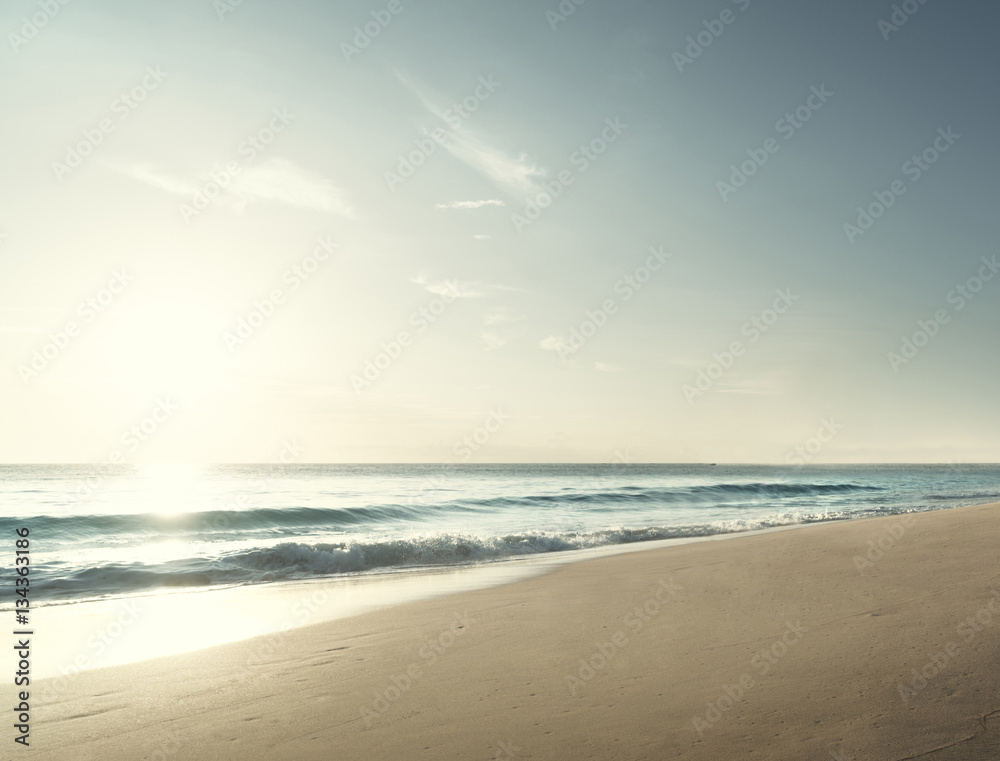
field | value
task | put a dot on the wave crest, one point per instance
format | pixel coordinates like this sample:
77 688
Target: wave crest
296 560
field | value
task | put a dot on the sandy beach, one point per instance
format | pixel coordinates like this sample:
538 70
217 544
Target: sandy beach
869 639
500 381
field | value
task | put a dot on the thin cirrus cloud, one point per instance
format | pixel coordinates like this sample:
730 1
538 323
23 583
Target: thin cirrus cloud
515 175
766 384
501 316
460 289
469 204
553 343
276 180
165 182
282 181
497 331
502 325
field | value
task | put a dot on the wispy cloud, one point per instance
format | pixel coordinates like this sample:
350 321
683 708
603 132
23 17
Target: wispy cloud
161 180
515 175
463 289
501 316
422 93
275 180
501 326
493 340
767 384
469 204
553 343
282 181
481 237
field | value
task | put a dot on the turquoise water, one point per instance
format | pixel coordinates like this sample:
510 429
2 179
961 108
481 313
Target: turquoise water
109 530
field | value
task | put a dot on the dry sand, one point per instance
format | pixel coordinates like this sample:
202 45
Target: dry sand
782 645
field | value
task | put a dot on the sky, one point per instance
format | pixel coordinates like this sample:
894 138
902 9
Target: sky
499 231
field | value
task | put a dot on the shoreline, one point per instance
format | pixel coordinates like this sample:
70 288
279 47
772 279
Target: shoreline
132 627
779 643
227 612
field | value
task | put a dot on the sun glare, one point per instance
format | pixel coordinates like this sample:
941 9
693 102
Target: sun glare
172 489
166 343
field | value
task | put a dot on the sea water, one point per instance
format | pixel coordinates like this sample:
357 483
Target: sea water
99 531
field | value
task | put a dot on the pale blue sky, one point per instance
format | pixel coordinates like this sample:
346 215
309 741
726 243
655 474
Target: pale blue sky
515 292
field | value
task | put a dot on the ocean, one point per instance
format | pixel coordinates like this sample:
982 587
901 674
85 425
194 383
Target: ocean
98 531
